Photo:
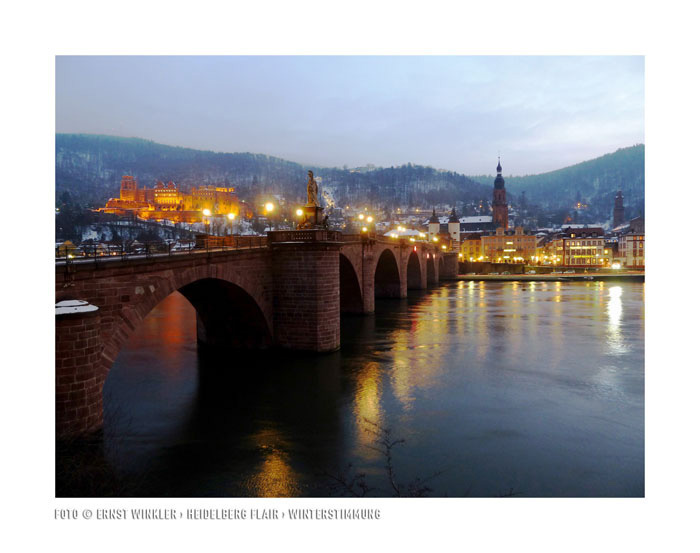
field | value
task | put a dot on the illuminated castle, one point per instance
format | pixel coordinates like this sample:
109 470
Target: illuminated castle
167 201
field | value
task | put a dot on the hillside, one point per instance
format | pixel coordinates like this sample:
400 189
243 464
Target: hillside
91 166
592 182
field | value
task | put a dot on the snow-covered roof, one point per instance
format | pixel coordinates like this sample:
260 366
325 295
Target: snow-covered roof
477 219
405 232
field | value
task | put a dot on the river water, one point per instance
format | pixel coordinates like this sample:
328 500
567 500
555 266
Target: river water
484 388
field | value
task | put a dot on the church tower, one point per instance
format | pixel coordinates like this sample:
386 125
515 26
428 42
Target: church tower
500 206
619 210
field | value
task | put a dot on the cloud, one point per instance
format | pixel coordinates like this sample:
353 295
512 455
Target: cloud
451 112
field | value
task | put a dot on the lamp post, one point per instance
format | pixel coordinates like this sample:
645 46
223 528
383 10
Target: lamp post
207 214
231 217
365 223
269 208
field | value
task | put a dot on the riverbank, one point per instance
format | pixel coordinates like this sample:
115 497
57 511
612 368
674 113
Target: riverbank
558 277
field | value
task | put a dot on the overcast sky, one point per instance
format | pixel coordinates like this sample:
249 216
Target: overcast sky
455 113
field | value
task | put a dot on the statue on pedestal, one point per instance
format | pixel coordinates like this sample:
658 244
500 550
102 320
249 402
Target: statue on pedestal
312 211
312 191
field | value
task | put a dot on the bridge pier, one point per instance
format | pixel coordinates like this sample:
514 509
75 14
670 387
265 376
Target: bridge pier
451 266
80 372
306 289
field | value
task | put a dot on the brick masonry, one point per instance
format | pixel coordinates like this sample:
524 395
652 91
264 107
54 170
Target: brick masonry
307 296
290 292
450 266
79 373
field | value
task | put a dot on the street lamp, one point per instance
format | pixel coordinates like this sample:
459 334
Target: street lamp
231 217
269 208
207 214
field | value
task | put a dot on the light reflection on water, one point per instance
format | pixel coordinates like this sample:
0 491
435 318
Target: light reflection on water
533 386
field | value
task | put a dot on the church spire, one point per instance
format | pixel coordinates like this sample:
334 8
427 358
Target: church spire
499 182
500 205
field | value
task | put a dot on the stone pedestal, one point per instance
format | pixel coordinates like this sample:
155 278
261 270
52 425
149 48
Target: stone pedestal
313 217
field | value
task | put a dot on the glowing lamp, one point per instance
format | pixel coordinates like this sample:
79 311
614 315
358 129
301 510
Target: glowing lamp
299 212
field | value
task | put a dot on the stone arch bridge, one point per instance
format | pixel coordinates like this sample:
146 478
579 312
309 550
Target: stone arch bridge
287 291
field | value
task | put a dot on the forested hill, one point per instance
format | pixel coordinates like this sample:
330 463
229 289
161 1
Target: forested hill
90 167
593 182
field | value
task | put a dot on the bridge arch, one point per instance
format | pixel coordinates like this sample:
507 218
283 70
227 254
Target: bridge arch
229 315
432 276
414 273
350 287
387 278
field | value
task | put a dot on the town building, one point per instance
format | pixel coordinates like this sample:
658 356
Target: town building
580 248
631 244
470 248
476 223
509 246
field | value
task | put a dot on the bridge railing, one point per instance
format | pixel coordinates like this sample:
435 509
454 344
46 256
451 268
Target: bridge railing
99 253
357 237
311 235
